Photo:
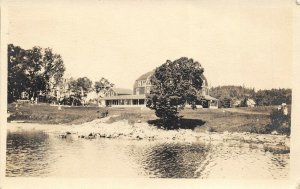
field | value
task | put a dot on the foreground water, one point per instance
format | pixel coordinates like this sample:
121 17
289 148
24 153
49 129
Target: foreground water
40 153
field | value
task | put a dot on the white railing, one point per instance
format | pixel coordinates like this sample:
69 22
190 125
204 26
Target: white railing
128 105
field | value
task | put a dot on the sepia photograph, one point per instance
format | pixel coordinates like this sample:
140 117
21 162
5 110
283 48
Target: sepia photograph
159 90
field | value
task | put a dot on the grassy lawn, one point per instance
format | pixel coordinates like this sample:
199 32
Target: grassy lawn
46 114
200 120
221 120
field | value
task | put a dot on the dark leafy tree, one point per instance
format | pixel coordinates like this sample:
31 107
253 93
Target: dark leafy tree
175 84
31 70
53 70
33 62
17 78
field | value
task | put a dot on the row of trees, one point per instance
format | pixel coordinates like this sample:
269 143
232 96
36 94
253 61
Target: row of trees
39 69
80 87
31 70
262 97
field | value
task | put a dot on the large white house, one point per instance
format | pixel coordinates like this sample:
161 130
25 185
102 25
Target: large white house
117 97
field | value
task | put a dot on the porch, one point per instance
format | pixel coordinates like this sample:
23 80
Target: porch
123 101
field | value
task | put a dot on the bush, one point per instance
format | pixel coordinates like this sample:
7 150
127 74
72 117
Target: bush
280 122
51 99
72 101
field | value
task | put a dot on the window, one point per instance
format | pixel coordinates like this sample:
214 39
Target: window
137 91
141 101
134 101
147 89
143 83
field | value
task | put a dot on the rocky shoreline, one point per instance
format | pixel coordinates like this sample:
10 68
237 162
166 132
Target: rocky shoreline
142 131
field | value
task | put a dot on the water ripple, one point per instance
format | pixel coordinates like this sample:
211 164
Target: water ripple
38 153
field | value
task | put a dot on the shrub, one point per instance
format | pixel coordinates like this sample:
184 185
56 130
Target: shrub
280 122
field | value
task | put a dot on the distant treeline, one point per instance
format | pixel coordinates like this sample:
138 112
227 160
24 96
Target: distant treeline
261 97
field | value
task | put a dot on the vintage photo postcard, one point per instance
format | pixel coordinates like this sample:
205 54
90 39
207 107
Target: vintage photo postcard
143 94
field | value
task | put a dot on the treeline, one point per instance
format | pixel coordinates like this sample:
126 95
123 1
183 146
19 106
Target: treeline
273 97
30 70
261 97
39 71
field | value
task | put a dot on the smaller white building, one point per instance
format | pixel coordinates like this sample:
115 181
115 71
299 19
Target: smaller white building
250 102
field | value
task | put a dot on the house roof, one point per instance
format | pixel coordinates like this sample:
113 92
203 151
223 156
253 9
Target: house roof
207 97
125 97
145 76
251 101
121 91
142 77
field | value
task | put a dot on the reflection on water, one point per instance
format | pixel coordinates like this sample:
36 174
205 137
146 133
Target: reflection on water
37 153
26 153
170 160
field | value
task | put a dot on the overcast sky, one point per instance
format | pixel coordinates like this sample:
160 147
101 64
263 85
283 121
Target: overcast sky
237 43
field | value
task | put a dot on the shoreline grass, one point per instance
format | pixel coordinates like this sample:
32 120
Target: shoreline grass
200 120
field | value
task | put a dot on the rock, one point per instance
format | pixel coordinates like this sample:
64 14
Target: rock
277 149
139 121
91 137
62 136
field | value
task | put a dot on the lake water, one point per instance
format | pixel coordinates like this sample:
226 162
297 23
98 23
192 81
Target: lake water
37 153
